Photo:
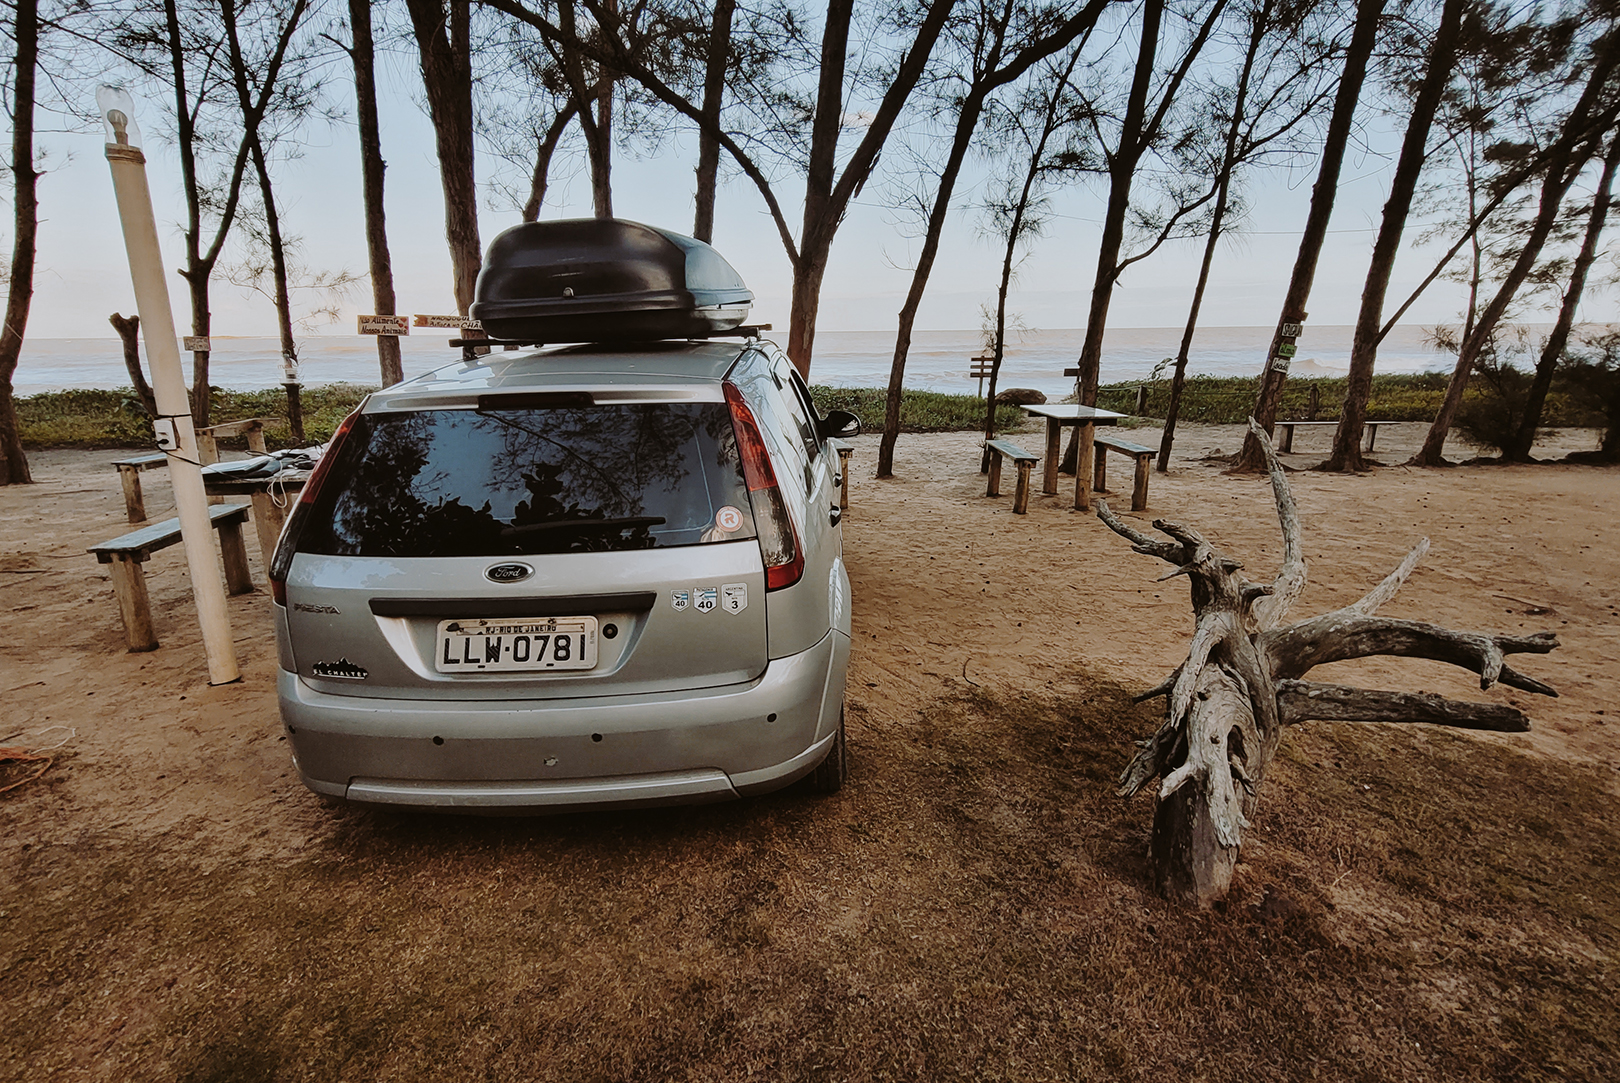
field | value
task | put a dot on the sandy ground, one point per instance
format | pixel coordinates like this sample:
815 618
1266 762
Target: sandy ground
951 590
170 895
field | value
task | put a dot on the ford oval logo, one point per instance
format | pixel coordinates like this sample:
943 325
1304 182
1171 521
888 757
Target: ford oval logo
508 573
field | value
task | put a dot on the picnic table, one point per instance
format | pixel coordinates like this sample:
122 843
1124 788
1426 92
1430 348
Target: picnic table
1086 419
272 498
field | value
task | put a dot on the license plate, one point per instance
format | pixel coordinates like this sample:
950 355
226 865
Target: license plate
516 645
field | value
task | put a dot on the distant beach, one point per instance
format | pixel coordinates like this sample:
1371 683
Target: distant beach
938 359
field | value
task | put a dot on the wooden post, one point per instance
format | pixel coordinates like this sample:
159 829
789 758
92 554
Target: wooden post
134 605
844 452
1021 498
994 488
134 501
1083 465
1099 476
1139 493
207 448
267 519
295 410
1141 400
1315 403
1054 452
238 580
255 440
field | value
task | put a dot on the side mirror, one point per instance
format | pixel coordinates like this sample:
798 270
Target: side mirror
839 423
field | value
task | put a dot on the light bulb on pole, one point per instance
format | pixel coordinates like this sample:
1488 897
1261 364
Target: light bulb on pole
173 425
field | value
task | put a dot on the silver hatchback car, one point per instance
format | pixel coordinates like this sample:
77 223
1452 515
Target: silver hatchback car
570 578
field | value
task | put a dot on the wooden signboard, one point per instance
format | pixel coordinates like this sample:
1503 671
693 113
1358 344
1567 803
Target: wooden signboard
458 323
385 325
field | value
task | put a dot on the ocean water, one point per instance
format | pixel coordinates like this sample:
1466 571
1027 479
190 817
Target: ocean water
938 360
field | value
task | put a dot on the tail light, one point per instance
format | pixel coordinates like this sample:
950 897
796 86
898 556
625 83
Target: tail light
778 542
282 561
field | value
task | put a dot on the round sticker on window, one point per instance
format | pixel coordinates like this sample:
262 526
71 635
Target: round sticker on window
728 518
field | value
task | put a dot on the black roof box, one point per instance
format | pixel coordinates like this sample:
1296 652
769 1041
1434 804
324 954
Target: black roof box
605 280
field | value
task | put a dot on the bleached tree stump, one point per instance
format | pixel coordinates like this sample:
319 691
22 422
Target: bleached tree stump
1227 704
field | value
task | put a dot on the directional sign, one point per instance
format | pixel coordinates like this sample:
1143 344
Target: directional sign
1292 330
1279 364
460 323
385 325
1286 349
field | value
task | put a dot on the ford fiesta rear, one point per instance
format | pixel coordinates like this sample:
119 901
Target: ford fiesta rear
533 600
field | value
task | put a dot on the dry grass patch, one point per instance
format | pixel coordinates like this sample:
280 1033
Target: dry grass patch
975 906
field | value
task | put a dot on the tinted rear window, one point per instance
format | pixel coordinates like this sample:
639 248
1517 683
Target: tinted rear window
496 482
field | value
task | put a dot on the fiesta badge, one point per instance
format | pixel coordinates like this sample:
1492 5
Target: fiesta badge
508 573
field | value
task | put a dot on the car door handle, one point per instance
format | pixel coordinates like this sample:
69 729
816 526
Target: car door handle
837 514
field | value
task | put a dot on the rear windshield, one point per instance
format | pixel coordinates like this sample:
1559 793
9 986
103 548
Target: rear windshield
496 482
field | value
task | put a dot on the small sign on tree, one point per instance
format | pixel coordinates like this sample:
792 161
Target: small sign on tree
384 325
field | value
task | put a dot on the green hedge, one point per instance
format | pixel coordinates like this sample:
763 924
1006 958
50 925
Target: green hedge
1228 400
920 411
113 419
92 418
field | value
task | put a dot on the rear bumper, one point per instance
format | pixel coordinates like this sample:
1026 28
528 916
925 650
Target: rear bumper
573 754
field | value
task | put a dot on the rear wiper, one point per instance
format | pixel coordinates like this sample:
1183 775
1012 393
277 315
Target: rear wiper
585 524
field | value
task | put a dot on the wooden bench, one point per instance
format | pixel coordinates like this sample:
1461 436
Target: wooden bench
1144 456
1006 449
1287 428
208 439
129 473
845 450
128 552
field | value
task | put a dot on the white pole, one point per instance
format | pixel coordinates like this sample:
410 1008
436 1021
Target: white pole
168 379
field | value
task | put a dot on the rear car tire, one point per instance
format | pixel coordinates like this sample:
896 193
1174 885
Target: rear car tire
830 775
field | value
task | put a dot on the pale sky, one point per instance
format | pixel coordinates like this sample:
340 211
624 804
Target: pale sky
82 275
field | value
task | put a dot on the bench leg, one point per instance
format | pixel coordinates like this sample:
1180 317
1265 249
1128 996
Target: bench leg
1021 495
256 442
1372 434
1288 436
1083 467
267 520
134 502
1054 454
1144 465
134 605
234 553
1099 476
994 488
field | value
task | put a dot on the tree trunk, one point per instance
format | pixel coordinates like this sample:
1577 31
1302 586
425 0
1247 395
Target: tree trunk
714 88
1563 167
129 333
967 122
806 303
1275 373
25 206
372 168
1133 141
546 149
1553 351
202 322
602 145
447 77
278 271
1227 703
1015 230
1258 27
1346 455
